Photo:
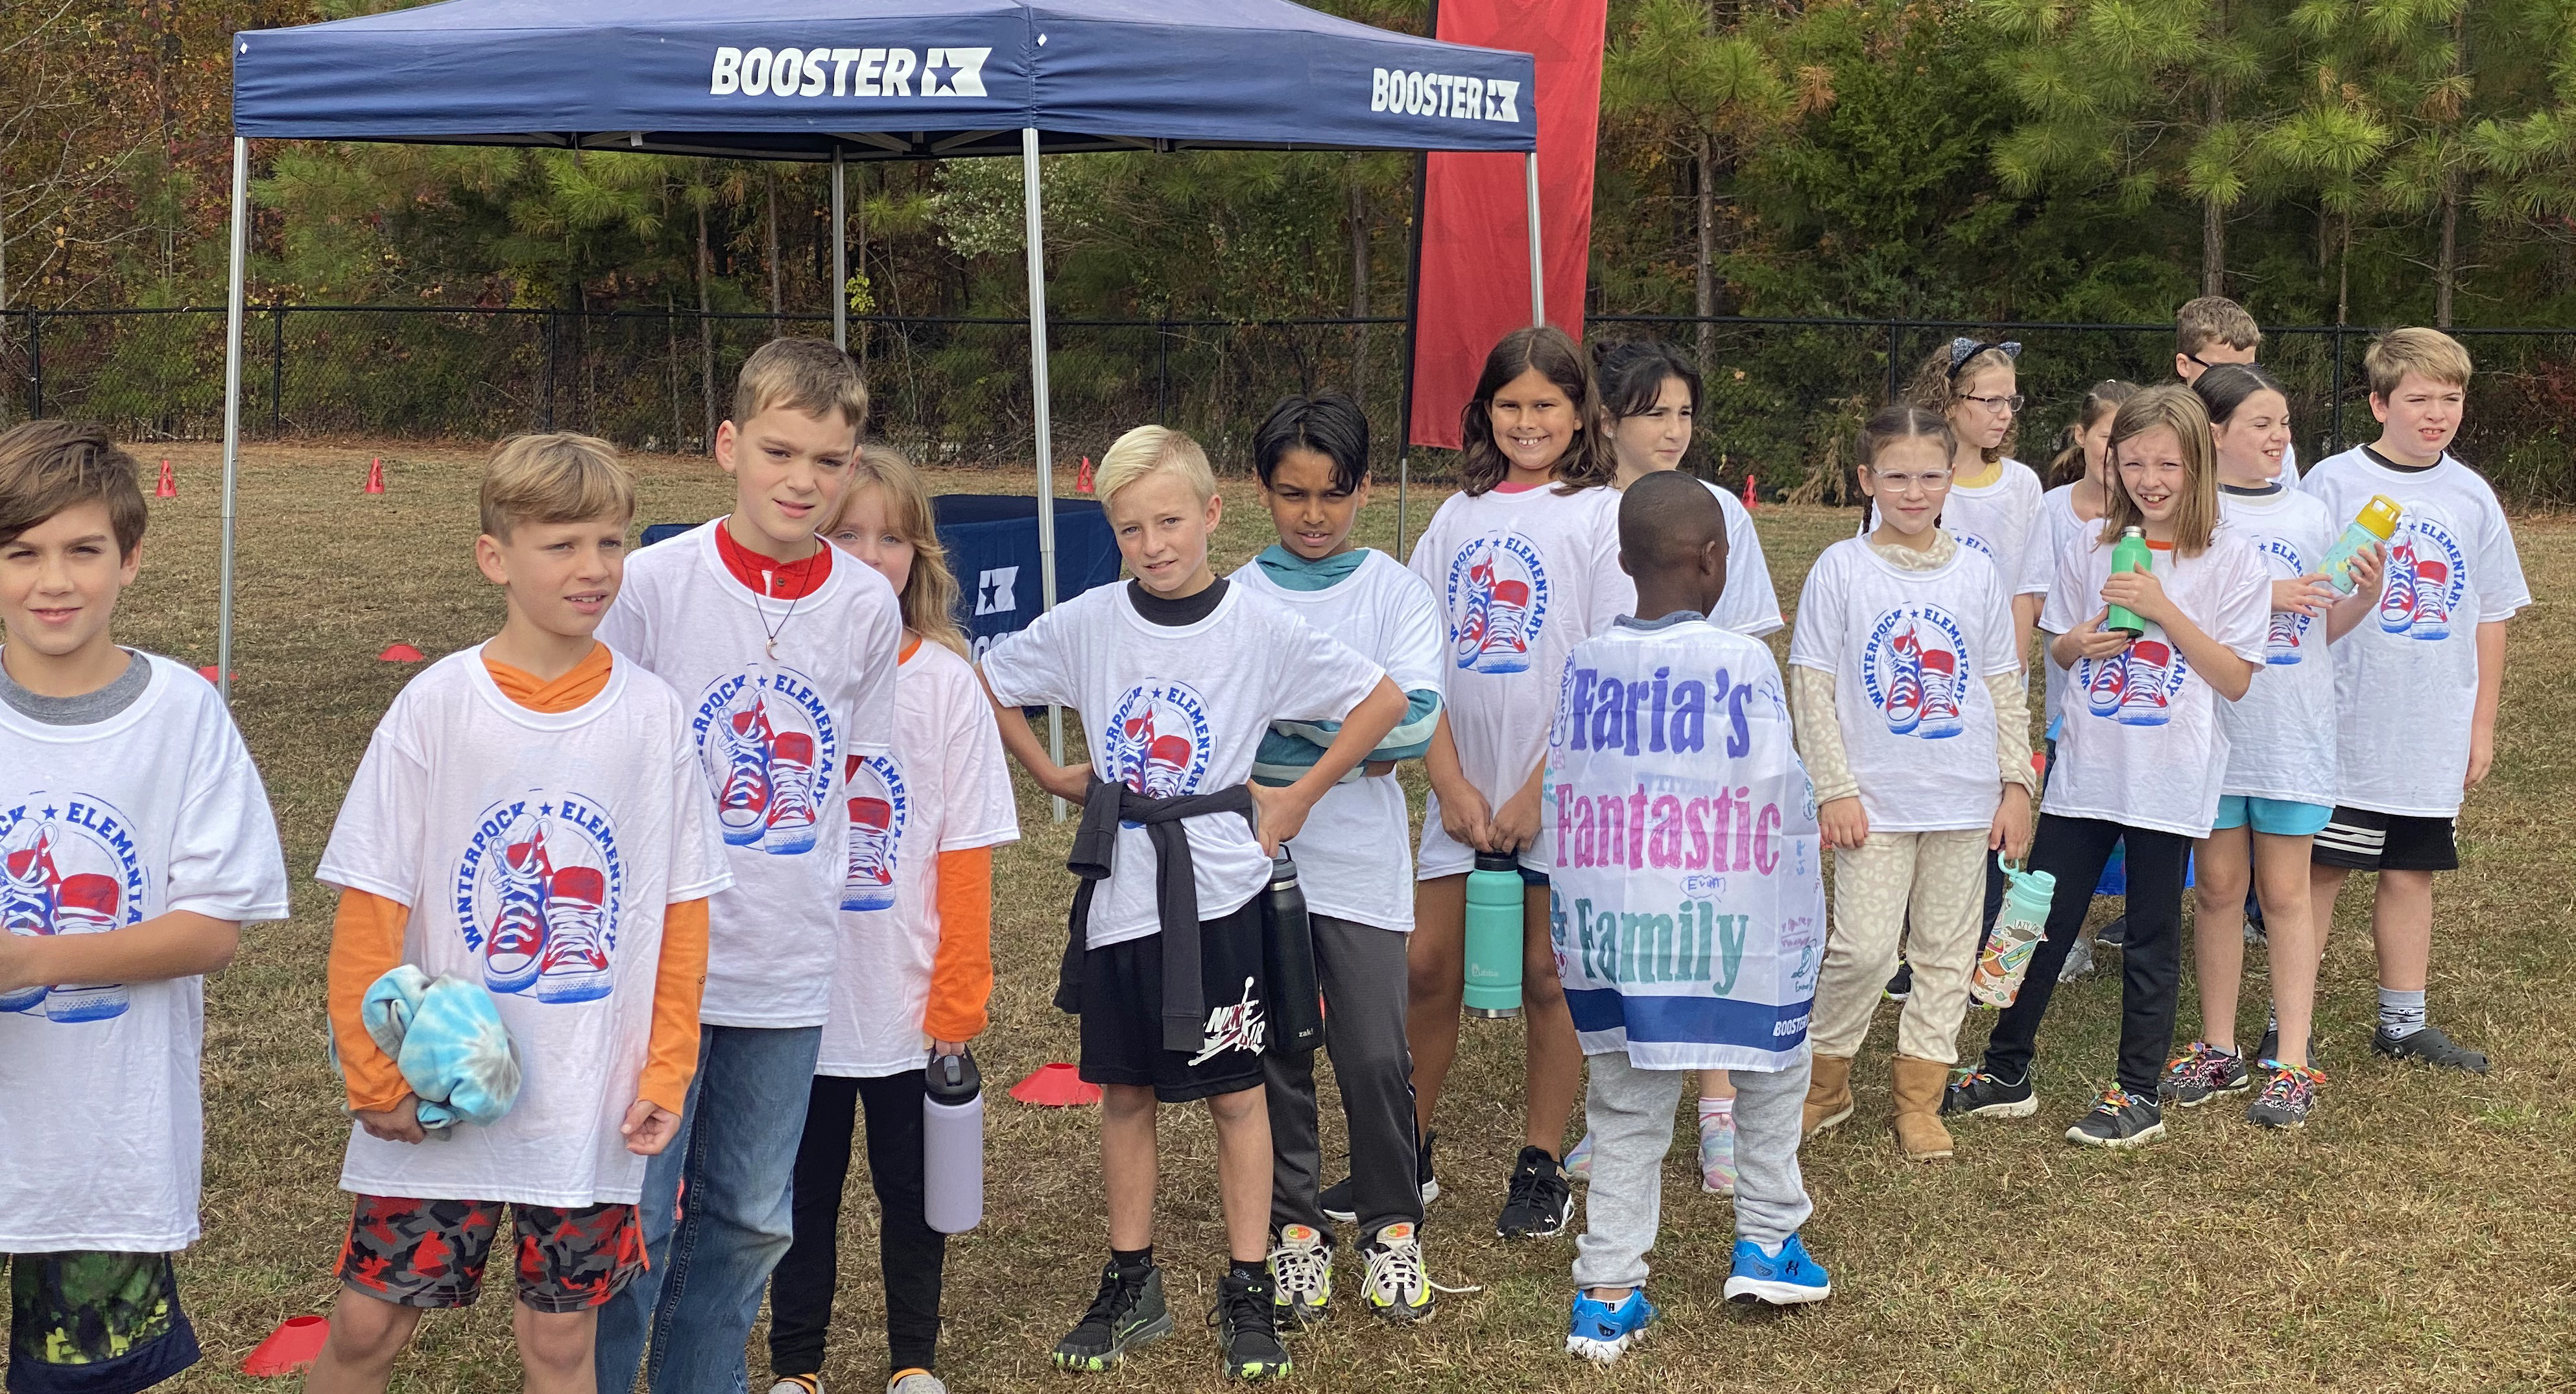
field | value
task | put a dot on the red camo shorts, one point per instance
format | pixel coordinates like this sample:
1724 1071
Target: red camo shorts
430 1253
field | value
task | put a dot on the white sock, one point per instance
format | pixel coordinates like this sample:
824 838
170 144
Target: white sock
1715 1108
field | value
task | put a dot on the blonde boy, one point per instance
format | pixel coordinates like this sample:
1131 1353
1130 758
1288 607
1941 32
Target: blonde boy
2416 689
785 661
1177 675
527 818
135 842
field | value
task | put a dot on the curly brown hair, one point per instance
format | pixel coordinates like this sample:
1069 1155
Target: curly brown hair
1552 354
1938 384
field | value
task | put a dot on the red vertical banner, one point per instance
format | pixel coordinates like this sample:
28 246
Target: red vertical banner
1475 284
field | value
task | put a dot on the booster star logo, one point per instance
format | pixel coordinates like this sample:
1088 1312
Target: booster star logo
538 896
1158 739
68 865
769 749
2428 575
993 591
1497 603
1912 668
880 805
2289 629
847 72
1445 95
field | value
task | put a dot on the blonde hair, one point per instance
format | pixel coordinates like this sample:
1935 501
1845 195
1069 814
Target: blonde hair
2102 399
2178 409
560 477
929 597
1938 387
2214 319
2398 352
1147 449
805 375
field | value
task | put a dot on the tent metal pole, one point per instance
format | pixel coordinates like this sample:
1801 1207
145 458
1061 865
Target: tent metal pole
1538 270
840 255
232 409
1036 234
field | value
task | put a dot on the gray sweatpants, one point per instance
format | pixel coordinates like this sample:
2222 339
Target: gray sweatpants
1630 1112
1361 970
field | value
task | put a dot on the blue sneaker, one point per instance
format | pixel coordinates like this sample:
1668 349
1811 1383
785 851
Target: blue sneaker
1602 1332
1784 1281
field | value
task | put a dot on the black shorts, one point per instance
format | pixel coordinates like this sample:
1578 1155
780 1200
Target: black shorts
2362 839
86 1322
1122 1013
430 1253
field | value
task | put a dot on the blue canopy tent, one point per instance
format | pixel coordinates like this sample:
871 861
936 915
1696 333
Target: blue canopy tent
841 80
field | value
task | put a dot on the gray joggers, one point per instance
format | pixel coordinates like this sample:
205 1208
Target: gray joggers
1630 1112
1361 970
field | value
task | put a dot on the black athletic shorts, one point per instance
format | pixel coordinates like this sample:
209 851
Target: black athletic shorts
1122 1013
2364 839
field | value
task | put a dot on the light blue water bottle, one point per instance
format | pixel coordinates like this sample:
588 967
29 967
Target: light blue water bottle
1494 936
2019 927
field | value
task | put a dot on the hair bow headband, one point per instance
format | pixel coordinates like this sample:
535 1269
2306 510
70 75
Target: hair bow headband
1962 349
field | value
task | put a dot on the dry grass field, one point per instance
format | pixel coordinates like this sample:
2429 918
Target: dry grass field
2416 1236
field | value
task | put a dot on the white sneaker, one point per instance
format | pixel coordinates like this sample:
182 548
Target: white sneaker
1578 1163
1396 1287
2079 960
916 1382
798 1384
1301 1276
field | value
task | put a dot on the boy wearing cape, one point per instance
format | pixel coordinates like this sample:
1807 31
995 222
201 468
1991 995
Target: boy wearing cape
1687 910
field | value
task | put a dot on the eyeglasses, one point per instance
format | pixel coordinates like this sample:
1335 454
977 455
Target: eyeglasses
1930 481
2000 406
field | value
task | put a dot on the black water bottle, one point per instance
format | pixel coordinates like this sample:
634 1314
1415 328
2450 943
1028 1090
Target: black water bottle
1288 959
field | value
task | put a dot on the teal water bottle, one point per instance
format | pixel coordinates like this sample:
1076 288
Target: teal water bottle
2129 554
2019 927
1494 936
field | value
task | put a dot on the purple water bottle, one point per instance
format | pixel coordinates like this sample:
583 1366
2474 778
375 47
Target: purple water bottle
952 1143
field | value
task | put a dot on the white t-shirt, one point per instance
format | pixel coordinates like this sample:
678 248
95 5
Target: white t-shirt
538 853
2406 677
771 738
1909 652
1354 856
1686 902
2143 745
2002 520
2280 734
1749 605
1521 578
2063 530
1170 710
102 826
944 789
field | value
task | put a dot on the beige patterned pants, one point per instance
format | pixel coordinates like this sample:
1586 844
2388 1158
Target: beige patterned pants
1941 879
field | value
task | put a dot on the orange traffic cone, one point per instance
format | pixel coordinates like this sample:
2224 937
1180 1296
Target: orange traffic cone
1082 481
1750 501
399 653
376 475
1055 1085
290 1349
168 488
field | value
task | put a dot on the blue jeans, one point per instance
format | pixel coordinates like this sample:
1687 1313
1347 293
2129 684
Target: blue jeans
711 1256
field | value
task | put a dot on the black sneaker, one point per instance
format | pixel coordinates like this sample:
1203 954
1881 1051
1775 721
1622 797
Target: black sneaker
2254 922
2430 1046
2287 1098
1980 1094
1541 1203
2267 1052
1901 986
1341 1203
1247 1336
1128 1313
2119 1120
2201 1074
2114 935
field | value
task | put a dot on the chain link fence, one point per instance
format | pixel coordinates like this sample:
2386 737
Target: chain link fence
1784 395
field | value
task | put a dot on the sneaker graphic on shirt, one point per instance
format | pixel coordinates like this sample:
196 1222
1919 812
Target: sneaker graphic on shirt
742 804
28 881
2105 681
792 814
1159 739
2153 666
2432 600
574 967
1497 596
1940 695
87 903
1911 665
512 951
1904 704
2281 642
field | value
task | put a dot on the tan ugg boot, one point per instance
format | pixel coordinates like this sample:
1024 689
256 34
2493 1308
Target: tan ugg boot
1917 1086
1829 1096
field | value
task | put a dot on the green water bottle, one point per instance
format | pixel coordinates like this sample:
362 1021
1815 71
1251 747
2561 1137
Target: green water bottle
1494 936
2129 554
2019 926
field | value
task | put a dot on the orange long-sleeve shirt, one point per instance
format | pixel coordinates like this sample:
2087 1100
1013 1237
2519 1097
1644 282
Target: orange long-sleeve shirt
367 942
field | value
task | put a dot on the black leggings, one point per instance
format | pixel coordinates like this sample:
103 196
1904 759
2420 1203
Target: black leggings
2075 850
910 1253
